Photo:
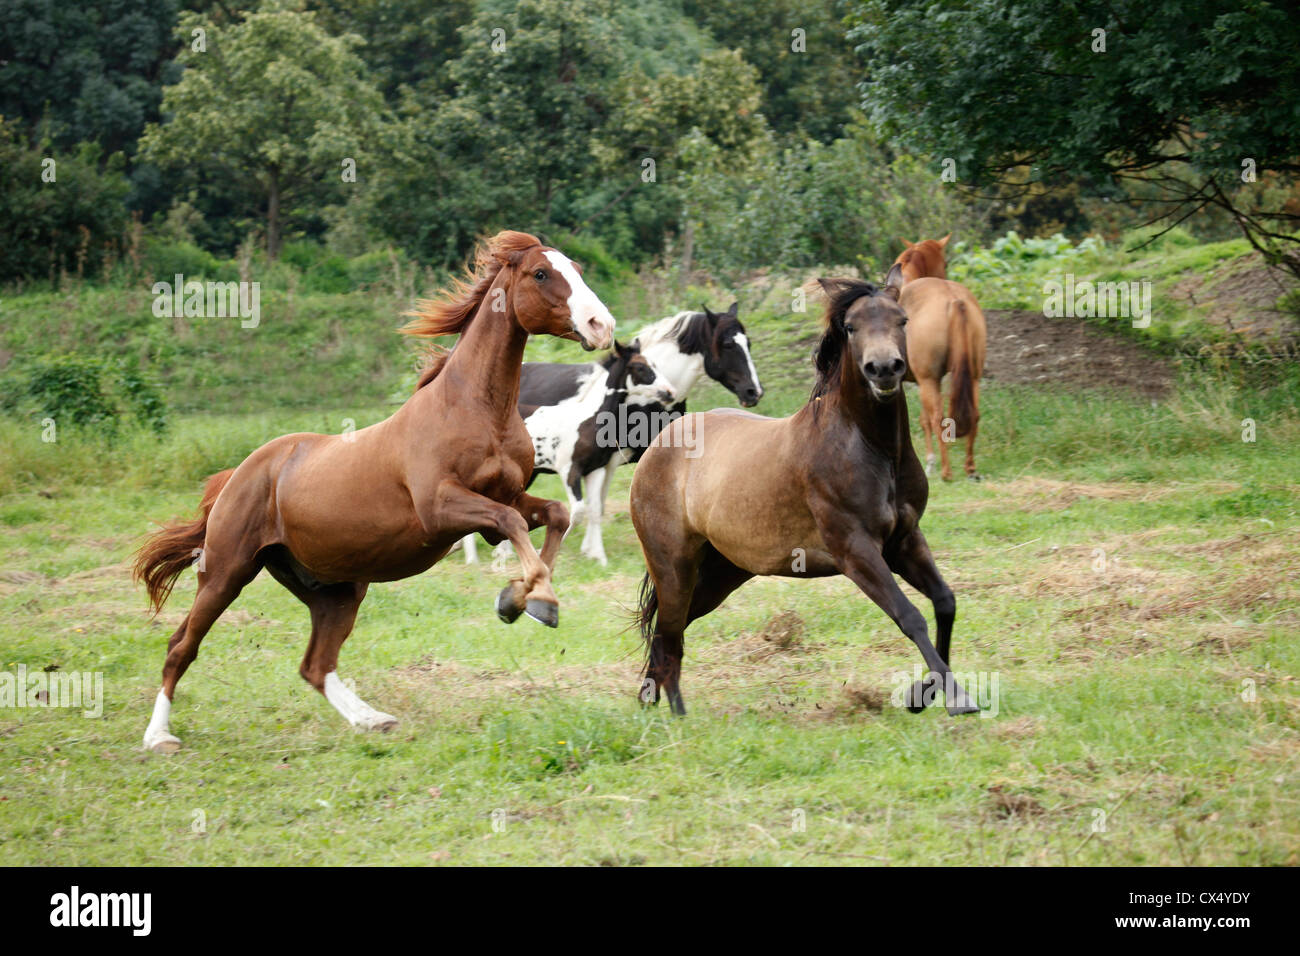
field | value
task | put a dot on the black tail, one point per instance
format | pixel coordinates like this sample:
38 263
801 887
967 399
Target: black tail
646 611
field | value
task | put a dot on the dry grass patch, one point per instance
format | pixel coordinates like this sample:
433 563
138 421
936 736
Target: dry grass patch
1045 494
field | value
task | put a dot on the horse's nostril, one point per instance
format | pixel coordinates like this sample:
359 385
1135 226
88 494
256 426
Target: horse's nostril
896 365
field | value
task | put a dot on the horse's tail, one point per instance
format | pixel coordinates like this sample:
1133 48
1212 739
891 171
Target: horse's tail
646 611
964 367
171 550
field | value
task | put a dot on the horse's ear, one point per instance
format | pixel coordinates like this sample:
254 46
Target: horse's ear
894 282
508 257
904 242
944 240
731 309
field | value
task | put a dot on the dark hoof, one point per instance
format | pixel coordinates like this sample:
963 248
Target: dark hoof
964 705
975 476
678 707
921 695
649 693
543 612
508 608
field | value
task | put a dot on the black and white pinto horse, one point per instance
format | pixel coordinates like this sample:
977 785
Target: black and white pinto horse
683 348
572 414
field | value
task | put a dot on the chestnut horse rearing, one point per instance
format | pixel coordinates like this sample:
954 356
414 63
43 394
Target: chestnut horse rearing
946 335
328 515
834 489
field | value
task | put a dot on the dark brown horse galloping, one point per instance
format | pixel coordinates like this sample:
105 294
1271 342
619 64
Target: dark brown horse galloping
834 489
328 515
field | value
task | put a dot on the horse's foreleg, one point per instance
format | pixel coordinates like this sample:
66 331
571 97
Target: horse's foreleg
860 559
914 563
553 515
457 508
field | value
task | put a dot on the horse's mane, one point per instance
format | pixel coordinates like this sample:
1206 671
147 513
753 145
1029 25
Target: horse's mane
829 351
666 328
691 332
456 304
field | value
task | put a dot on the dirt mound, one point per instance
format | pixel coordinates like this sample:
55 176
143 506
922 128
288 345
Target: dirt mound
1026 348
1241 296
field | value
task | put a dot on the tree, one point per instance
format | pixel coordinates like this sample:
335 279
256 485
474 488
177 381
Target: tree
273 98
1189 96
690 126
61 211
89 71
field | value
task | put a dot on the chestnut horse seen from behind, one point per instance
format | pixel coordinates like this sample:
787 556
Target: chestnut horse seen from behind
834 489
945 336
328 515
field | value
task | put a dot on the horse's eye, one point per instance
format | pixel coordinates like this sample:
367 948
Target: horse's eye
848 329
540 275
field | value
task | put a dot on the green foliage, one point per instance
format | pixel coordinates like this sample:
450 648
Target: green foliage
69 225
273 98
85 72
1183 96
845 204
163 260
87 392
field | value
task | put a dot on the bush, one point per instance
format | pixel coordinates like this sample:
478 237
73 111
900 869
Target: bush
164 259
73 224
89 393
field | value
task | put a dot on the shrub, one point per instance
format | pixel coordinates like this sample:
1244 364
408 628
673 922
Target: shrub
90 393
73 224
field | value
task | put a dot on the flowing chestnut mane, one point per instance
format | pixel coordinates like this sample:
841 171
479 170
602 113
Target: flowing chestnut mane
456 304
840 293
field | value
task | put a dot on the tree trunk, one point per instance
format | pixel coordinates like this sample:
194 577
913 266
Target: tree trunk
688 251
273 216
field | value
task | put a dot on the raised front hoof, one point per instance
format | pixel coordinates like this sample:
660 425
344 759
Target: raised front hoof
920 696
510 602
543 612
162 743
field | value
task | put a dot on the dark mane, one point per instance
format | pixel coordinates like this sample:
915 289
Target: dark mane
455 305
693 334
702 332
829 351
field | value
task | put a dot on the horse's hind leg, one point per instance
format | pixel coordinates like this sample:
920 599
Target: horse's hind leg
333 610
675 579
333 613
970 437
216 592
931 407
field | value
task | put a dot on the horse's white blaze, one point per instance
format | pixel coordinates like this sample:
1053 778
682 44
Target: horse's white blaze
584 307
740 339
353 708
156 736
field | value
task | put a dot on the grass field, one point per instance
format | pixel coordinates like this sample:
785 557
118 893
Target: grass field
1128 581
